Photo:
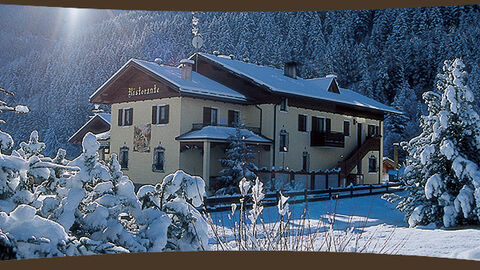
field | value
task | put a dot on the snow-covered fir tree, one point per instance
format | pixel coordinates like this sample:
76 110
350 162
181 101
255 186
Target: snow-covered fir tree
442 176
238 162
179 195
87 207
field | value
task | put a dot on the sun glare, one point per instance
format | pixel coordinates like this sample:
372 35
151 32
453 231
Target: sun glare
74 14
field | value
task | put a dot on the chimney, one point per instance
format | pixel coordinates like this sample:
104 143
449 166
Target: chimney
290 69
187 69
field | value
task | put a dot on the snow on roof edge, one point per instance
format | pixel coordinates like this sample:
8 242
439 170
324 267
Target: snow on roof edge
193 89
86 123
385 108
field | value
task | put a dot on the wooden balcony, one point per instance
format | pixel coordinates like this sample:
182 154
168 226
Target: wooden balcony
330 139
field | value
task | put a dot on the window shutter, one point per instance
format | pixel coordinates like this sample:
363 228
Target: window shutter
120 115
346 128
231 117
214 115
328 127
154 115
207 115
167 109
130 117
315 124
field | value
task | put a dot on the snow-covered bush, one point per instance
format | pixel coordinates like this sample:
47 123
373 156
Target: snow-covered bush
55 207
179 195
442 176
7 249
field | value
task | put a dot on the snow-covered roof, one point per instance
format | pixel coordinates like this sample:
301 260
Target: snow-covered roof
387 158
275 80
199 85
106 117
103 136
221 133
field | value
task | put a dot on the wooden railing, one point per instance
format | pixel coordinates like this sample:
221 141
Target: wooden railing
332 139
370 144
224 203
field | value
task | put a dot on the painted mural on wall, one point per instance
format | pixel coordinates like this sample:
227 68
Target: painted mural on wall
141 138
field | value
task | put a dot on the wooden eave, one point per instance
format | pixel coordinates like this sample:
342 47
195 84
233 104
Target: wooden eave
96 125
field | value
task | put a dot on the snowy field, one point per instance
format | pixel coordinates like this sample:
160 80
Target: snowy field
385 226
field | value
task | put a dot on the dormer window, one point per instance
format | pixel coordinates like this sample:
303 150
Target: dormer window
284 105
334 87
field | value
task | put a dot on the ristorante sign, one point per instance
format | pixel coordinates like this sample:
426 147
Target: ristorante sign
138 91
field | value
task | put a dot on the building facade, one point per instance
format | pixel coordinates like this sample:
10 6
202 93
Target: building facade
168 118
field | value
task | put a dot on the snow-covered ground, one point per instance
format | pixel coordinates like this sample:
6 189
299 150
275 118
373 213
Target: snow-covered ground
383 221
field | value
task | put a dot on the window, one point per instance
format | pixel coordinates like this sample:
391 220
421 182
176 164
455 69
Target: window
233 117
158 159
284 105
372 131
346 128
125 117
124 158
160 114
302 122
210 116
372 164
318 124
306 161
283 141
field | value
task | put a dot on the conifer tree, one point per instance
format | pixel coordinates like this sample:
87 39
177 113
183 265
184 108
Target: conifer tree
442 176
238 161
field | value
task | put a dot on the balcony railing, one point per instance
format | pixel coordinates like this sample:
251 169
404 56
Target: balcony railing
331 139
197 126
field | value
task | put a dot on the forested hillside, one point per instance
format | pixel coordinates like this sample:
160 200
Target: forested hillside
392 55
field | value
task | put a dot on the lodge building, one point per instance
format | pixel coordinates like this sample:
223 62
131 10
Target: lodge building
166 118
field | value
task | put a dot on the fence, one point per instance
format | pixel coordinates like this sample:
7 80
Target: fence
224 203
299 180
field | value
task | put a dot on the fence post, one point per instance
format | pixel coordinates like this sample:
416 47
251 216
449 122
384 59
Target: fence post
312 181
292 178
386 186
351 191
329 193
371 188
306 198
326 180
